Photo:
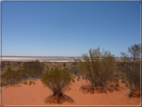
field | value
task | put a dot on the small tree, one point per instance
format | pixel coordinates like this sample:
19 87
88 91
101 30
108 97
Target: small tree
132 67
134 50
98 68
57 79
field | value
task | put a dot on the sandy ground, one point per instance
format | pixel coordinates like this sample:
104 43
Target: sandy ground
36 94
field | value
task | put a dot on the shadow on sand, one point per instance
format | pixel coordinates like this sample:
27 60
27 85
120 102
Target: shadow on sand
58 99
89 89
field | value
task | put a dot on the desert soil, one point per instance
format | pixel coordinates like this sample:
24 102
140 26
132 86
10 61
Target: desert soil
36 94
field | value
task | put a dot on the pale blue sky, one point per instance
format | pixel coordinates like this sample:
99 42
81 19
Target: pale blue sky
68 28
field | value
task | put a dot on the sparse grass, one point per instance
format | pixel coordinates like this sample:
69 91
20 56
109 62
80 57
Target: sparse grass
4 83
31 82
116 85
78 77
24 82
121 87
129 92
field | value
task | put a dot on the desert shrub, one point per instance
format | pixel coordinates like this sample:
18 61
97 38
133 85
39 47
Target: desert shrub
12 77
57 79
98 68
131 67
28 73
74 70
64 65
74 63
3 83
52 69
34 65
3 64
8 63
47 68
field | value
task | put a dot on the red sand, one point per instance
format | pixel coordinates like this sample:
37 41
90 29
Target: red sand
36 94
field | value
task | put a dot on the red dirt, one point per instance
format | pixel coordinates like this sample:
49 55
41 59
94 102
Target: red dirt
36 95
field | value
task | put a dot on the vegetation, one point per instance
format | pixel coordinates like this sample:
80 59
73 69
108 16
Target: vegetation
131 67
57 79
24 82
98 68
78 77
11 77
3 83
31 82
35 66
28 73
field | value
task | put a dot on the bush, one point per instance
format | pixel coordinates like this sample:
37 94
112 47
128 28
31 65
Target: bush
35 66
27 73
57 79
64 65
4 83
3 64
131 67
12 77
98 68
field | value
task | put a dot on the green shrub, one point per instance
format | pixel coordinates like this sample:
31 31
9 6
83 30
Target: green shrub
28 73
35 66
57 79
98 67
3 64
4 83
12 77
131 66
64 65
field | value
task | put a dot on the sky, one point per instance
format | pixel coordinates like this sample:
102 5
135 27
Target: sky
68 28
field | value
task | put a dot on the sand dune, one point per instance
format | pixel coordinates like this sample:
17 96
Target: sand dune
36 94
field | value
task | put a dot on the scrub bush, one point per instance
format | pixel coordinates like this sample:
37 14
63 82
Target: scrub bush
98 67
57 79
